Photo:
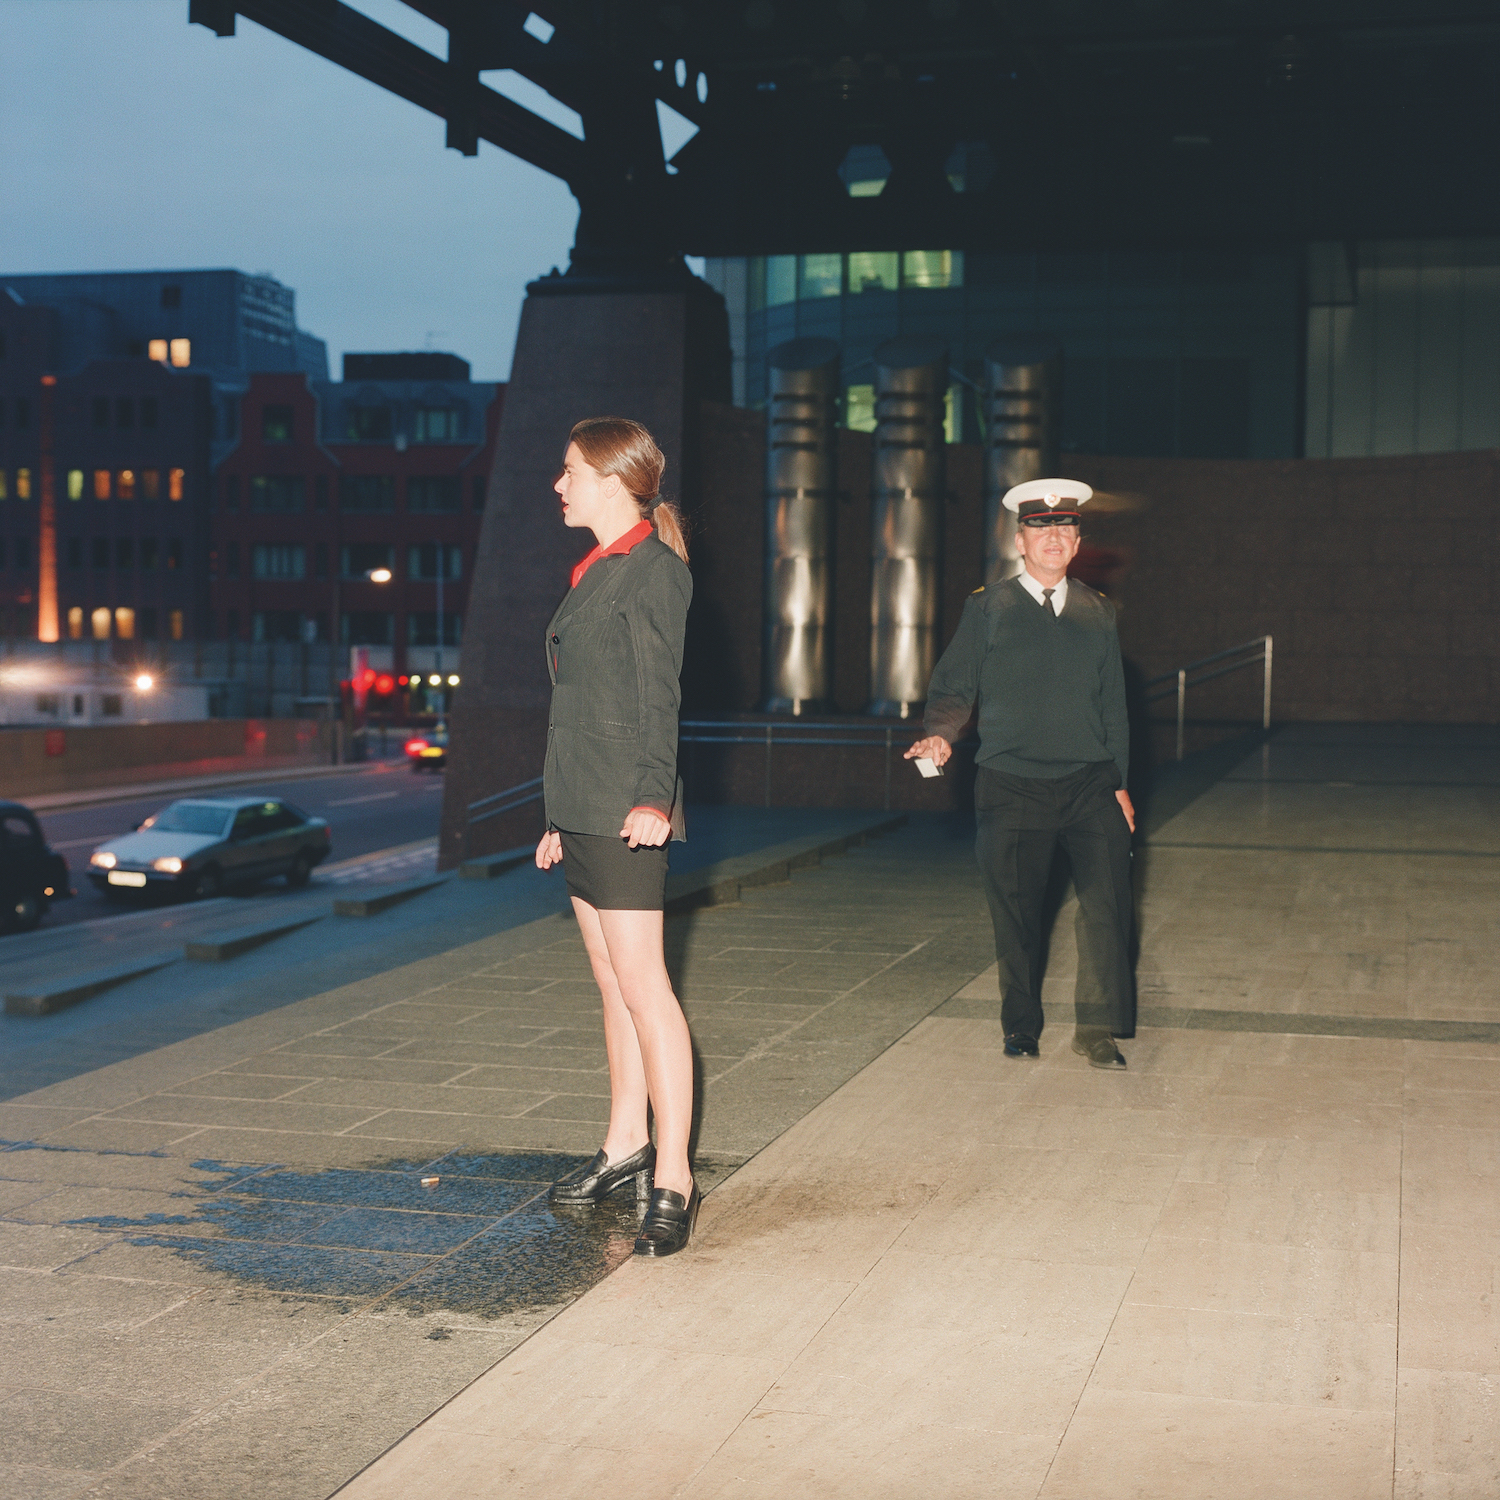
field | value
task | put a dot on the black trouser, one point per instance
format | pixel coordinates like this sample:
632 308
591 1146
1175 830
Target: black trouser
1022 819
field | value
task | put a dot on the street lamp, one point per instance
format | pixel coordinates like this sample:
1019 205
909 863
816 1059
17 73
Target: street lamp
145 682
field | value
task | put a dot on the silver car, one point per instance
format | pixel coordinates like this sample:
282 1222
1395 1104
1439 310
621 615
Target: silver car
200 845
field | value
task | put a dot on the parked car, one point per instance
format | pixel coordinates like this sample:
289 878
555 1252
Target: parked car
200 845
32 874
428 752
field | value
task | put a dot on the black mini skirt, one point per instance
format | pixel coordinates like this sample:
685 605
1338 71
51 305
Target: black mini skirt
611 876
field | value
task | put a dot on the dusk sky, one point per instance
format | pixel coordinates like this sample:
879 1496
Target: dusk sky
130 140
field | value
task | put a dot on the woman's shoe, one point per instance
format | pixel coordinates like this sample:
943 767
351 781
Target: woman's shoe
669 1221
599 1179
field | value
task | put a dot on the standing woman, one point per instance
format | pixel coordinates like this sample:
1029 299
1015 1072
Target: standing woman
614 653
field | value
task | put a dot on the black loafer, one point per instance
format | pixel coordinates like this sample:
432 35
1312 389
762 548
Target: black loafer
598 1179
1100 1051
1018 1044
669 1221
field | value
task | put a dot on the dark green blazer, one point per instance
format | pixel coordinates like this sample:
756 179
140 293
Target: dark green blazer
614 654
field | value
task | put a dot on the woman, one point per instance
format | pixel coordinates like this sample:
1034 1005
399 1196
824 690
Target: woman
614 652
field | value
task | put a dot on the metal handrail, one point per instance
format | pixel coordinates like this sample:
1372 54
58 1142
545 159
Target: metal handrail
1182 680
509 792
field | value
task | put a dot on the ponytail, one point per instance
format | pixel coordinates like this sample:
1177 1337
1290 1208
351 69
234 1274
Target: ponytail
670 527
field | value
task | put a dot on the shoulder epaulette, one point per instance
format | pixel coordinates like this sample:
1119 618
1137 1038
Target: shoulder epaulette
980 589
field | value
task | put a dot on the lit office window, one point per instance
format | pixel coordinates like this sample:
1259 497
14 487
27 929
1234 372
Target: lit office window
953 414
438 424
75 485
174 624
174 484
822 276
100 622
125 623
182 353
23 484
125 484
932 268
4 487
859 408
874 271
864 171
150 484
781 280
101 484
157 350
75 623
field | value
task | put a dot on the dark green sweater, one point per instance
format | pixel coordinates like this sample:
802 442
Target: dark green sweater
1050 689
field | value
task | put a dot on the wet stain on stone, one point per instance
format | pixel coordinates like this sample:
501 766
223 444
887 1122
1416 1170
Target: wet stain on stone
483 1241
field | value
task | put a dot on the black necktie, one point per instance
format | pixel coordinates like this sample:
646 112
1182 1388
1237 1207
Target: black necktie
1047 602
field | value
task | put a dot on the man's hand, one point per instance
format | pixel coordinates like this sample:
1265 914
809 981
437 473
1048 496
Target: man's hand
1127 807
549 851
934 748
644 828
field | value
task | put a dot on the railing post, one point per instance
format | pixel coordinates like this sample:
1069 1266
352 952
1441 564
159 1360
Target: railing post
1181 708
768 765
1265 716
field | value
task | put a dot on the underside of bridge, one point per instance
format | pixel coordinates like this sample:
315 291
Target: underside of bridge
836 124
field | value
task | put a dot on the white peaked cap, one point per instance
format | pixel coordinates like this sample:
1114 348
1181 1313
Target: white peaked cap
1051 492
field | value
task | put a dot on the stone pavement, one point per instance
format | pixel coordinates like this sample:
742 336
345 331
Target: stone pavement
1257 1265
1260 1263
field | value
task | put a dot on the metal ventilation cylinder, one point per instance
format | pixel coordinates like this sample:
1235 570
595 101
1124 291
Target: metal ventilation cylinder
908 491
1022 387
801 459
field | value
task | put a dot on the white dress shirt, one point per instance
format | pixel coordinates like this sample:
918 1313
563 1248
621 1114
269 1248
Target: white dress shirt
1032 587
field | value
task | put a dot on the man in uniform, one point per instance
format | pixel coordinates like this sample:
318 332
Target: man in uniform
1040 656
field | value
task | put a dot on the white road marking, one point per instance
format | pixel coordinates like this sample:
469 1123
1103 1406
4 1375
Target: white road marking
373 797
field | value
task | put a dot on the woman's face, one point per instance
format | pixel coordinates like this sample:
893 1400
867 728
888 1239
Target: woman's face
587 496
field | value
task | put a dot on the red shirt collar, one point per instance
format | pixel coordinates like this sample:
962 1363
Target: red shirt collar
617 548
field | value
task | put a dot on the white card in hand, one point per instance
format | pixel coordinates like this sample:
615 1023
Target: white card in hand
927 766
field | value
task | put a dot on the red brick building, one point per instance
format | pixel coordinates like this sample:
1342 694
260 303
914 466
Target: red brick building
333 488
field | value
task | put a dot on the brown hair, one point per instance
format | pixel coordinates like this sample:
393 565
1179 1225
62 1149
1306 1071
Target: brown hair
618 446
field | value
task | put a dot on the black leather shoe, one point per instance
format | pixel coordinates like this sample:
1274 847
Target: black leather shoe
598 1179
1018 1044
1100 1051
668 1224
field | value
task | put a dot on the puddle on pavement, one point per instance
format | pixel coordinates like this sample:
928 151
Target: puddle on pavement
482 1242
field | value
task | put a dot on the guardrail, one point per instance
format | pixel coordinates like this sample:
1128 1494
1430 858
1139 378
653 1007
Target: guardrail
1182 679
773 732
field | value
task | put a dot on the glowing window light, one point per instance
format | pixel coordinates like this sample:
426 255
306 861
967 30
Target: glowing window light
4 491
75 623
157 350
100 621
125 484
23 484
175 479
125 623
101 484
182 353
75 484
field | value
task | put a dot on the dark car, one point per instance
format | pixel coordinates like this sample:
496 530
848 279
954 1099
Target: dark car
429 751
32 875
200 845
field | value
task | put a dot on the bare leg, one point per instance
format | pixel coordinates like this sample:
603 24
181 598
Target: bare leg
628 1130
658 1049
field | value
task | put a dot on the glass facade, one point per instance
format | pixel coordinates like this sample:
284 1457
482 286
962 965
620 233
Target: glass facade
1173 353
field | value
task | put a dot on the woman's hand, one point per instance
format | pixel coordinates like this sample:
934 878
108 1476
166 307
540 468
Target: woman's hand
549 851
935 748
1126 807
645 828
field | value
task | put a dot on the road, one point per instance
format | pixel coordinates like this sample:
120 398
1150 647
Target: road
369 807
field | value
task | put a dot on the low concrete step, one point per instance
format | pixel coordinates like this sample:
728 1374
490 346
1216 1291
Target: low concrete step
491 865
69 989
214 947
717 884
383 897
